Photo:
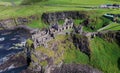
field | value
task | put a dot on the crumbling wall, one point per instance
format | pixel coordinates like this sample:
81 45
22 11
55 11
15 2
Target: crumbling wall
41 38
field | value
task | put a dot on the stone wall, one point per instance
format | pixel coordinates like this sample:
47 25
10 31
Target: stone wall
41 37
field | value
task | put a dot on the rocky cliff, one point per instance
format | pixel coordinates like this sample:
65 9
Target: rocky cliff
107 35
12 22
75 68
54 17
15 61
81 42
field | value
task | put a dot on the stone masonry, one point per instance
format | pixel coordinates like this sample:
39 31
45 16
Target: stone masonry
41 37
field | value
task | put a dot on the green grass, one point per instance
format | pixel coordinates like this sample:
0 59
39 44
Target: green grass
96 22
17 11
29 42
38 24
78 21
52 6
23 11
93 2
61 22
9 2
112 26
105 55
75 56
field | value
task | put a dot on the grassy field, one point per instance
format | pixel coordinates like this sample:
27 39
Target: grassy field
52 6
48 6
86 2
73 2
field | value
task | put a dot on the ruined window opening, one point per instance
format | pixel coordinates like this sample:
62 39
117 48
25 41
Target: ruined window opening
63 28
67 27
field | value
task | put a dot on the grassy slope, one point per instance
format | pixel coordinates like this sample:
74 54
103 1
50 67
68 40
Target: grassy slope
105 55
112 26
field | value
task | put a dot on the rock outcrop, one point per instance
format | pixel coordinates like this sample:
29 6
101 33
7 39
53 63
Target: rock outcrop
108 35
75 68
81 42
12 22
16 61
54 17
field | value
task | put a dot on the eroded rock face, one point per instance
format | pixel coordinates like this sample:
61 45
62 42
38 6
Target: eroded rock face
107 35
29 71
15 60
118 37
7 23
12 22
81 42
75 68
54 17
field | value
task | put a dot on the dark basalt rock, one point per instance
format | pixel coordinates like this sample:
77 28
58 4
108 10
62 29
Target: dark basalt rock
16 60
75 68
55 16
67 68
82 43
28 71
109 35
118 37
13 22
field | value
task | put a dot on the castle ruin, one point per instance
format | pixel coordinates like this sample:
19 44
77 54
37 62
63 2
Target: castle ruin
41 37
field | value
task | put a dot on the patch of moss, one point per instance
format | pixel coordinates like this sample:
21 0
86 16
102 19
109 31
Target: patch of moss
34 58
43 63
48 52
29 42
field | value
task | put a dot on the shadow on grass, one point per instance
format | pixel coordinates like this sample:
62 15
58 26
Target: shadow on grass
118 63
